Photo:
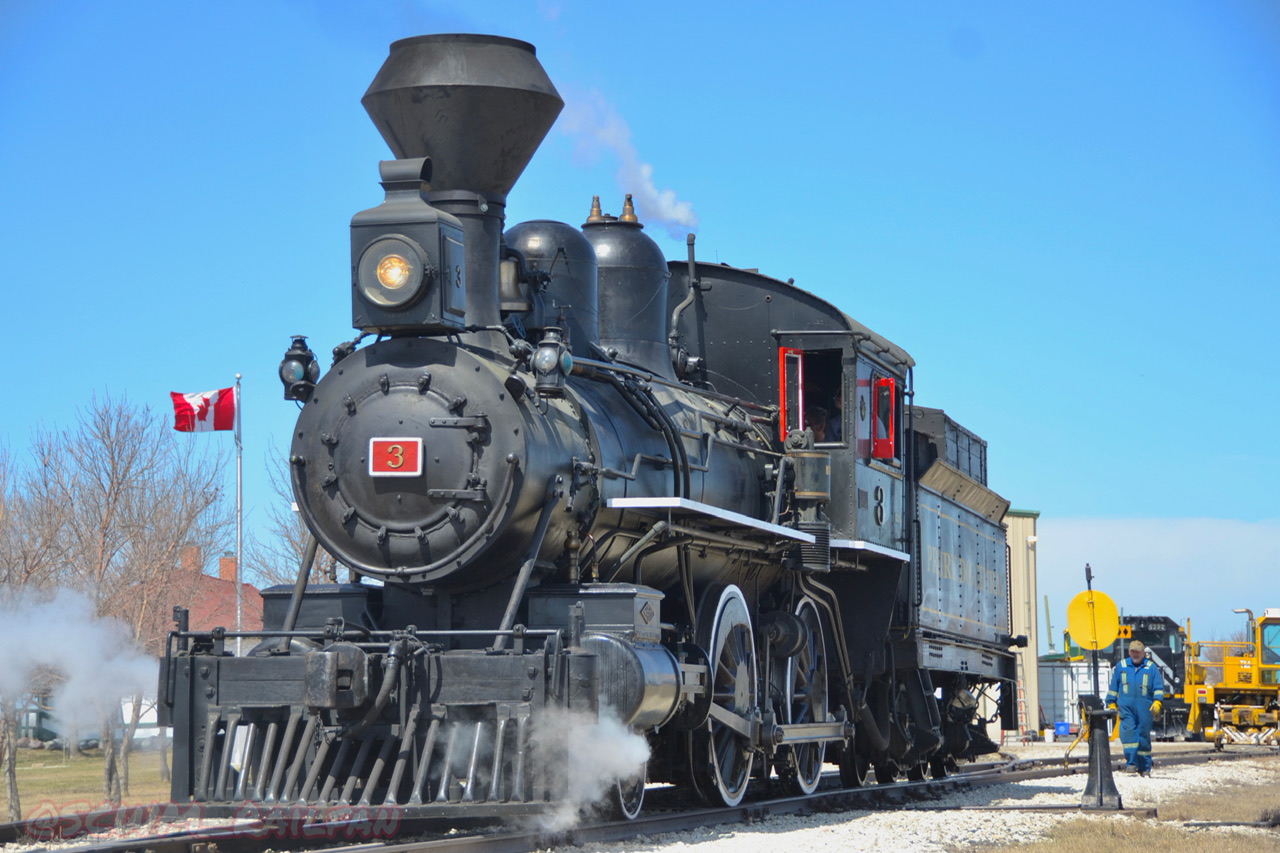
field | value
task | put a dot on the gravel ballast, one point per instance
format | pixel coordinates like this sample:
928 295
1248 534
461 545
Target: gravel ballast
923 828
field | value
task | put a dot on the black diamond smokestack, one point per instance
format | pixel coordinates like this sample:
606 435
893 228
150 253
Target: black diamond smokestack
478 106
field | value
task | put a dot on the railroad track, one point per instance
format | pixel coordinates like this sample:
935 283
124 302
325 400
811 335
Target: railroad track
250 829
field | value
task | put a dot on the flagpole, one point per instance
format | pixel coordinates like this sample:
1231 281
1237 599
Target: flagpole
239 518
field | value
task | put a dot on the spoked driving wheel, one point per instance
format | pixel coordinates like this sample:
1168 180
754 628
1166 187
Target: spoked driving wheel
724 756
887 771
853 766
806 701
628 796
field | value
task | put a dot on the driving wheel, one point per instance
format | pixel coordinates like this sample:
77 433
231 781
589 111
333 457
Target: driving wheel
886 771
723 758
806 702
628 795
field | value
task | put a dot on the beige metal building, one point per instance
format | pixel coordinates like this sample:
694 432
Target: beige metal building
1020 537
1020 534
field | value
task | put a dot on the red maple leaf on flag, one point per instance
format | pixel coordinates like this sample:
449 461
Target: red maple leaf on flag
204 411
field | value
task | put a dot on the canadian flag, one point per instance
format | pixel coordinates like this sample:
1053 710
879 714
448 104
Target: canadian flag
204 411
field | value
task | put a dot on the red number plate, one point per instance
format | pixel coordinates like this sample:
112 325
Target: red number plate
395 457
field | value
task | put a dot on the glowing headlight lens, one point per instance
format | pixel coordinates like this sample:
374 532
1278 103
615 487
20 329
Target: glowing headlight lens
393 272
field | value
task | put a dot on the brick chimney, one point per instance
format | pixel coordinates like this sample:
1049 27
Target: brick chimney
189 560
227 567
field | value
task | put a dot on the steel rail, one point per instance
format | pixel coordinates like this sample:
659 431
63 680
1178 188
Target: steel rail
289 828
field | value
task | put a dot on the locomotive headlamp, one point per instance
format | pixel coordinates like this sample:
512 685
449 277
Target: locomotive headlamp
299 370
551 362
392 273
408 258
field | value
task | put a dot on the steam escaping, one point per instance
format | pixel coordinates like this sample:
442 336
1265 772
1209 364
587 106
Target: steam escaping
596 126
90 663
598 754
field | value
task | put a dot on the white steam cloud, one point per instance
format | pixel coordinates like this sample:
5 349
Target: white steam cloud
599 754
92 662
596 126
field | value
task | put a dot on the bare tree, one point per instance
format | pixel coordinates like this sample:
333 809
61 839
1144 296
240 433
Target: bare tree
134 494
276 559
30 530
8 710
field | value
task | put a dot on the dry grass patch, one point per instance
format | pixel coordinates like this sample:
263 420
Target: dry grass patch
1126 835
1168 834
1243 803
48 776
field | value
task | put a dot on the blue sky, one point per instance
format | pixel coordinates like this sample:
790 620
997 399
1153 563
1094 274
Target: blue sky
1067 214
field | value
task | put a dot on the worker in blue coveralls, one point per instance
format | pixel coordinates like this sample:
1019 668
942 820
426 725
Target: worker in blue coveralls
1137 690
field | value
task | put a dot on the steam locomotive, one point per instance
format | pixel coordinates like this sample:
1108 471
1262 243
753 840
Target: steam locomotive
570 477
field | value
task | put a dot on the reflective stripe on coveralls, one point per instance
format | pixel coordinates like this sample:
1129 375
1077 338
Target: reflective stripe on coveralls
1133 698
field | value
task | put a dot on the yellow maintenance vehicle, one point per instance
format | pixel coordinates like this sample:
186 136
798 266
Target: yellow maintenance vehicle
1233 687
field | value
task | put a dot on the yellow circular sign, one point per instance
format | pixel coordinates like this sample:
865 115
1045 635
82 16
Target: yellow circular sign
1093 620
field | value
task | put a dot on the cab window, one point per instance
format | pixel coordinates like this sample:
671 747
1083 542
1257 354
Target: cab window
884 418
790 391
1271 644
811 393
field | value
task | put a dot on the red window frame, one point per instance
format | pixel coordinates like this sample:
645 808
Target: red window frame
884 394
790 417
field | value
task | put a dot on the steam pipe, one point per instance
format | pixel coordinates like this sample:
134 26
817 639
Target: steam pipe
679 458
646 405
779 488
591 368
707 537
659 527
673 336
638 574
526 568
299 587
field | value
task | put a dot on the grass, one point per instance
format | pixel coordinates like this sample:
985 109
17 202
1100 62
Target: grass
50 778
1233 803
1117 835
1237 803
